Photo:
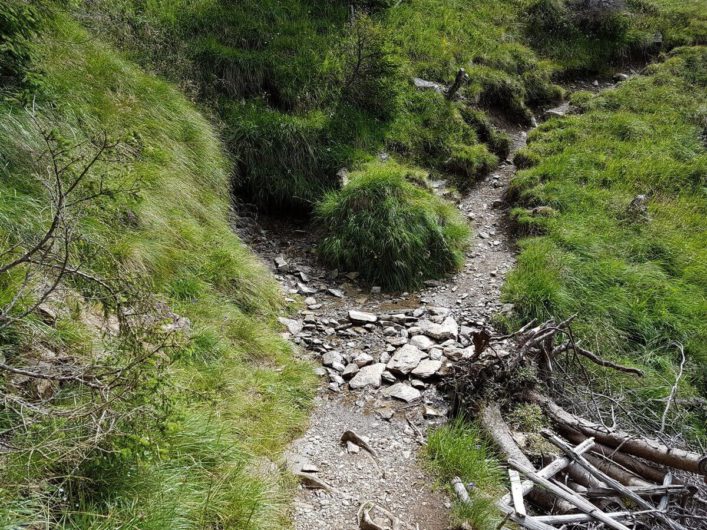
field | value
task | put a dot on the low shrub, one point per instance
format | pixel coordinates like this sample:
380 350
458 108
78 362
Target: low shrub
498 141
469 163
394 233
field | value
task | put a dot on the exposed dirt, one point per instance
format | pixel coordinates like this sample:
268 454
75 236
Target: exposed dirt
396 430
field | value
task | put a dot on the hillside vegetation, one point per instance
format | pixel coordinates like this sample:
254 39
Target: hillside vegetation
269 100
228 396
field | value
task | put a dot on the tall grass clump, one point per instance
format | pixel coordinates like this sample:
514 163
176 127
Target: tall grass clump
624 247
459 449
395 233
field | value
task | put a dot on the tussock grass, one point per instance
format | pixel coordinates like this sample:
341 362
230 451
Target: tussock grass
460 449
394 233
636 281
235 394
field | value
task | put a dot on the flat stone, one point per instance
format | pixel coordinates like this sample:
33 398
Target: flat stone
427 368
448 329
350 371
293 326
389 377
331 357
362 317
303 289
403 392
280 263
406 359
422 342
368 376
336 292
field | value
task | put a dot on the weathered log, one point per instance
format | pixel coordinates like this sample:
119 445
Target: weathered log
645 448
583 477
645 470
494 425
616 472
581 504
611 482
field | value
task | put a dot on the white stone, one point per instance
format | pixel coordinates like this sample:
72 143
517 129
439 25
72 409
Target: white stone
422 342
406 359
368 376
427 368
362 317
403 392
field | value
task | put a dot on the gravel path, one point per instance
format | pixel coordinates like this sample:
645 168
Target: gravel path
395 430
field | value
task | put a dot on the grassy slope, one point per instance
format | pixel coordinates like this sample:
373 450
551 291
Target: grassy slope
237 394
637 284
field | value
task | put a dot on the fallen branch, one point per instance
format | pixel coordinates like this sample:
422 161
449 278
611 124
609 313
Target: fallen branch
645 448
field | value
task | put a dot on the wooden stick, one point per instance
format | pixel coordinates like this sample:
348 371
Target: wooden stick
552 469
663 504
611 482
583 517
581 504
638 490
517 492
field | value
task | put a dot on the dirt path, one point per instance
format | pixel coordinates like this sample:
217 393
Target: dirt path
394 428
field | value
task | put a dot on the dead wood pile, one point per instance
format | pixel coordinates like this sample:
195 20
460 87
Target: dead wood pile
596 475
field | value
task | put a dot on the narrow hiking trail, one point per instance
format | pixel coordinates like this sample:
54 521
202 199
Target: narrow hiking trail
395 478
395 400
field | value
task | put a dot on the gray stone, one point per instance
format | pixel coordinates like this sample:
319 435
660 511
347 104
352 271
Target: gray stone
362 359
303 289
396 341
293 326
427 368
362 317
368 376
350 371
389 377
416 383
406 359
422 342
453 353
448 329
331 357
336 292
403 392
280 263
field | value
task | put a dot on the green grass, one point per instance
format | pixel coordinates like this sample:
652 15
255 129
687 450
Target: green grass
459 449
638 284
391 230
234 392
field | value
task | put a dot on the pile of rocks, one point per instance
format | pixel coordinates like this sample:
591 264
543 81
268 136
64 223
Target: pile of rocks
399 354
